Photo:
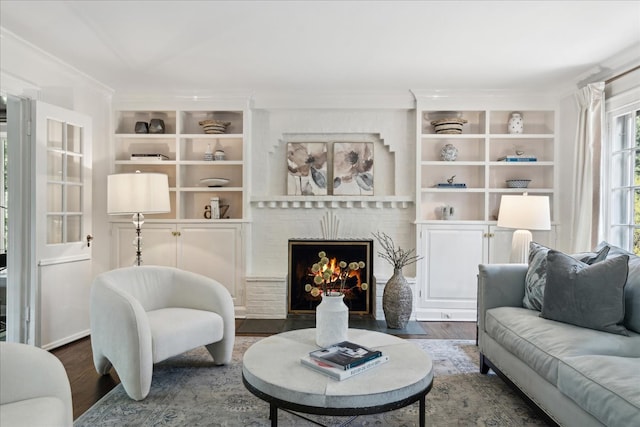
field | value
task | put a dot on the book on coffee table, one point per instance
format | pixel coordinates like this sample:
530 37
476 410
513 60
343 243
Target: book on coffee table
345 355
339 373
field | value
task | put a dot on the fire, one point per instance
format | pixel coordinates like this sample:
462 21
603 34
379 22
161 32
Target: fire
333 265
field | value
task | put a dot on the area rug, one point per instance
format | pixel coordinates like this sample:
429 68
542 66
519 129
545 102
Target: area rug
189 390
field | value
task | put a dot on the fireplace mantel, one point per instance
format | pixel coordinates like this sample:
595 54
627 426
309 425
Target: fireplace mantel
334 202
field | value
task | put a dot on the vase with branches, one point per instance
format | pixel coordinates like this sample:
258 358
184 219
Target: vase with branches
397 300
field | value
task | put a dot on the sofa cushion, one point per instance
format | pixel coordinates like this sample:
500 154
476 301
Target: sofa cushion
605 386
631 289
540 343
585 295
536 277
176 330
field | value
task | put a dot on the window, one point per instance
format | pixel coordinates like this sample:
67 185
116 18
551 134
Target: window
622 201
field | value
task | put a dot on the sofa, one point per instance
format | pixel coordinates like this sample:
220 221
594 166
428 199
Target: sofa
34 388
577 372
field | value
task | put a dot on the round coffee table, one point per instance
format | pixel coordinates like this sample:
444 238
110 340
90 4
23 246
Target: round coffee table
272 371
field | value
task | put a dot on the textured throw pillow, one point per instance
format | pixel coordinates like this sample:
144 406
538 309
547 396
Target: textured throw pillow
536 276
591 296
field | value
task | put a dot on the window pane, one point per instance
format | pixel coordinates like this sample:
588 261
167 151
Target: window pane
54 134
74 193
636 241
74 223
636 207
74 138
54 229
54 197
74 164
54 166
636 179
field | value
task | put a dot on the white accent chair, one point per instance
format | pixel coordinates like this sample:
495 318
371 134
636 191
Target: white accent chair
34 388
144 315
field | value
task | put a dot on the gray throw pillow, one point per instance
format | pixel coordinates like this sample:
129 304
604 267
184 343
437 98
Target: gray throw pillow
591 296
536 276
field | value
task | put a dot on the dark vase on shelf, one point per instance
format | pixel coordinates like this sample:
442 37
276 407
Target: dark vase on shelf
156 126
142 127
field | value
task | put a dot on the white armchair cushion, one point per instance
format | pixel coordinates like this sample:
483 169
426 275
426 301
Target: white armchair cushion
34 388
176 330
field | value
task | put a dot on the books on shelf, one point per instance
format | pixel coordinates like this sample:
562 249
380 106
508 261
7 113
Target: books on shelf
518 159
453 185
338 373
151 157
345 355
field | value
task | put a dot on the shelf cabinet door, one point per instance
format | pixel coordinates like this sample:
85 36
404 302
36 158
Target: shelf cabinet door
212 251
500 242
158 244
449 270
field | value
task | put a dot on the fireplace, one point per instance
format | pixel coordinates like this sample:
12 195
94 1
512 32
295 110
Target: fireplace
303 253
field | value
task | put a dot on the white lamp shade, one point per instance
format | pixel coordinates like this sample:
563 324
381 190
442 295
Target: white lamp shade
524 212
131 193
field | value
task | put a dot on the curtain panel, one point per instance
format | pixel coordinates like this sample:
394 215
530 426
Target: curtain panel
586 166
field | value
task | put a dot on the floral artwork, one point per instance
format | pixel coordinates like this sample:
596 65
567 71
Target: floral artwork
353 168
307 166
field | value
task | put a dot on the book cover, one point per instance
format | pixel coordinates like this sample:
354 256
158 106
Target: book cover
345 355
518 159
453 185
154 156
338 373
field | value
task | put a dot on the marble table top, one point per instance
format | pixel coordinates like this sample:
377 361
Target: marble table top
272 366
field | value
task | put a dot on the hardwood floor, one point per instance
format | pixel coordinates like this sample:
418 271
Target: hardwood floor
87 387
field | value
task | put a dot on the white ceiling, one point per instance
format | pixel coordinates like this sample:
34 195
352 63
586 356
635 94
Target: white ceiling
186 46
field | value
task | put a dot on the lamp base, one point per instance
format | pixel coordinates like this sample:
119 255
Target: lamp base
520 247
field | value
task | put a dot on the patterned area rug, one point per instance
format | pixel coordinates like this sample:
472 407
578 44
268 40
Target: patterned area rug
189 390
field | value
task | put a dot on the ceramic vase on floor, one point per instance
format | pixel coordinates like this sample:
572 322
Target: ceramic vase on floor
332 320
397 301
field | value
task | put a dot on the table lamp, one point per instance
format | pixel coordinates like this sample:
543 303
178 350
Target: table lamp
138 194
524 213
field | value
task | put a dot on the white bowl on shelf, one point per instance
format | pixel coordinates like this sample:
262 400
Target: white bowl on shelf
214 182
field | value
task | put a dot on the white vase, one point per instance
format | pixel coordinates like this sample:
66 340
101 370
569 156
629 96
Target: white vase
332 320
516 124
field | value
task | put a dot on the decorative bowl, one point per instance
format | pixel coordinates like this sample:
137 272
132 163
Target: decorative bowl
214 126
518 183
214 182
450 125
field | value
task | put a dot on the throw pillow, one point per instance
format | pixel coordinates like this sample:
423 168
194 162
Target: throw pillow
536 276
591 296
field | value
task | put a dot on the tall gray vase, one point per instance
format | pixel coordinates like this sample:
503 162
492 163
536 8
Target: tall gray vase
397 301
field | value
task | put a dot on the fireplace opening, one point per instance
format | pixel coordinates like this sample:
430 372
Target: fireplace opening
303 253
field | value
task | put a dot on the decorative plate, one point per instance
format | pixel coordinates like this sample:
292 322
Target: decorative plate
214 182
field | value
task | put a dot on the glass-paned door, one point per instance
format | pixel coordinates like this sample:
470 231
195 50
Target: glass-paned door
65 183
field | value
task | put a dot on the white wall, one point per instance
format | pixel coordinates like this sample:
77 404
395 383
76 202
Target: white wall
393 176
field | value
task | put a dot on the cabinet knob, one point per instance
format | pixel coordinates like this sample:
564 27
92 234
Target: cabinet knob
175 233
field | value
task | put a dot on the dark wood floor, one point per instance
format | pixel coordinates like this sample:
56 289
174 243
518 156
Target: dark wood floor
87 387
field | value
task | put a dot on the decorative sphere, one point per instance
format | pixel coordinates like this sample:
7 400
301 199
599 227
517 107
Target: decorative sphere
449 153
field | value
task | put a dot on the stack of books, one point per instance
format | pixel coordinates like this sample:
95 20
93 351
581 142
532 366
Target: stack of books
149 157
451 185
518 159
343 360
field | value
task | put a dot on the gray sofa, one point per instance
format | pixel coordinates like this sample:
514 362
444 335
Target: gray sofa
576 375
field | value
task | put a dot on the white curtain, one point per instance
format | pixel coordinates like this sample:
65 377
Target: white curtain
586 166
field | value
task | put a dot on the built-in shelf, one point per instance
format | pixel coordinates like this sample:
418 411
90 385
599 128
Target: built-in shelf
310 202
